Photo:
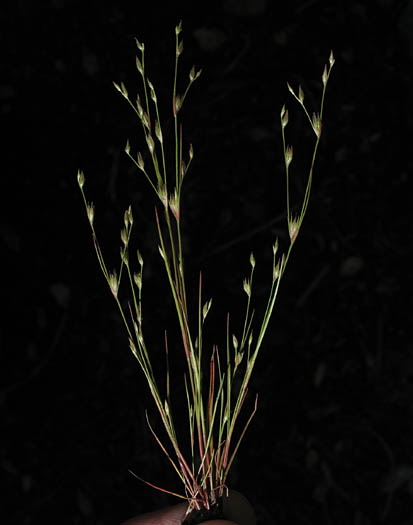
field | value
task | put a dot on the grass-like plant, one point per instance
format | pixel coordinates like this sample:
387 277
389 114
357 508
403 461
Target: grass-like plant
213 405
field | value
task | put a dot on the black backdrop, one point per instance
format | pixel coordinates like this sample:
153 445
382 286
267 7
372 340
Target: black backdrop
332 440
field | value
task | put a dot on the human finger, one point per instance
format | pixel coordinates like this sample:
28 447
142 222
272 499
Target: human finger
169 516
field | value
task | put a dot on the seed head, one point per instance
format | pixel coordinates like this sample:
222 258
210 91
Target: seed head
331 59
293 228
158 131
178 28
80 178
140 162
325 76
183 169
276 272
193 75
205 309
150 142
177 103
316 121
124 256
123 90
128 215
300 94
113 283
250 340
145 121
162 194
133 348
137 277
180 48
290 89
238 358
284 117
139 106
247 287
252 260
90 210
117 87
152 90
161 251
124 237
174 204
140 260
234 342
191 152
275 247
139 315
139 45
127 147
288 156
139 66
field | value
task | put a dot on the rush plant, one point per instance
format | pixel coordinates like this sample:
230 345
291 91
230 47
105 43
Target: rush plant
213 401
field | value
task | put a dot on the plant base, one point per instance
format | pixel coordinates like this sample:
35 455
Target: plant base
195 517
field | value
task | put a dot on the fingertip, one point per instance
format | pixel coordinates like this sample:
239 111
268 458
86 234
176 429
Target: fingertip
238 509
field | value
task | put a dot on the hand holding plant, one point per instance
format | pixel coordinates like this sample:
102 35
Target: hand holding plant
213 403
237 511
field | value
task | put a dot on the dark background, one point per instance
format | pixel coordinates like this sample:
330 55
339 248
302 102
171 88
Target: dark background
331 443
